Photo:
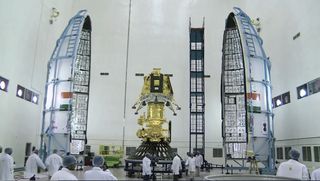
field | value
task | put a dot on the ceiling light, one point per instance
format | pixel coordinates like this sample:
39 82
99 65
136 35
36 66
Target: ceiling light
35 98
278 102
20 91
2 85
28 95
302 93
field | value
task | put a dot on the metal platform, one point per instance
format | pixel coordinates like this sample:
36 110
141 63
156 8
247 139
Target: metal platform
161 162
245 177
160 166
160 150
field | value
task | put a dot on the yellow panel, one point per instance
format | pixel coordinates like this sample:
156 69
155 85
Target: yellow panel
156 82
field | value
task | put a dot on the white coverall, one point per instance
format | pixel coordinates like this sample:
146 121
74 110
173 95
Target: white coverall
199 159
199 162
315 175
53 163
32 165
176 165
63 174
191 162
146 166
6 167
97 173
293 169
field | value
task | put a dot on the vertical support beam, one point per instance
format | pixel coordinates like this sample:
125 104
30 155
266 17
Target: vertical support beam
197 90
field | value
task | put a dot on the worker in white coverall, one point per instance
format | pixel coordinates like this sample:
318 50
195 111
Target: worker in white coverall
176 166
69 163
186 168
146 167
292 168
191 162
315 175
32 164
96 173
199 162
6 165
53 162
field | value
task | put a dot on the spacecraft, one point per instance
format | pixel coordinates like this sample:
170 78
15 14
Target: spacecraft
156 94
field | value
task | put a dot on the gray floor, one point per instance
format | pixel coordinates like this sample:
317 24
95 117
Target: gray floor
121 175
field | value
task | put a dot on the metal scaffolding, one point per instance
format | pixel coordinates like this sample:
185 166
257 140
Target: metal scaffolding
197 90
65 109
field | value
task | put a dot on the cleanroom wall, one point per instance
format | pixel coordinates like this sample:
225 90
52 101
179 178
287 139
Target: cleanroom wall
27 43
294 62
158 37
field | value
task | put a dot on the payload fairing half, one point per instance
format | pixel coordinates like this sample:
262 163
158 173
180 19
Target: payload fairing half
246 95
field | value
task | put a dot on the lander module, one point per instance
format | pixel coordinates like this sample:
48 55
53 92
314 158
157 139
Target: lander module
156 94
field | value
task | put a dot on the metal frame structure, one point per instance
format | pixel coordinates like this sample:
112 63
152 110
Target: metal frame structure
197 90
65 109
256 93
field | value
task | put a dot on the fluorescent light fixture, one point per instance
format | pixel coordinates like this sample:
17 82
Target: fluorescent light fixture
314 86
285 98
20 91
28 95
4 84
278 102
281 100
35 98
302 91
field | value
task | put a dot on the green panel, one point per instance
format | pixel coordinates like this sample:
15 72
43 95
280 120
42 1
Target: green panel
64 107
255 109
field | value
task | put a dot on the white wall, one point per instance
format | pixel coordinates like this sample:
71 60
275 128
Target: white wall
294 62
158 38
27 41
